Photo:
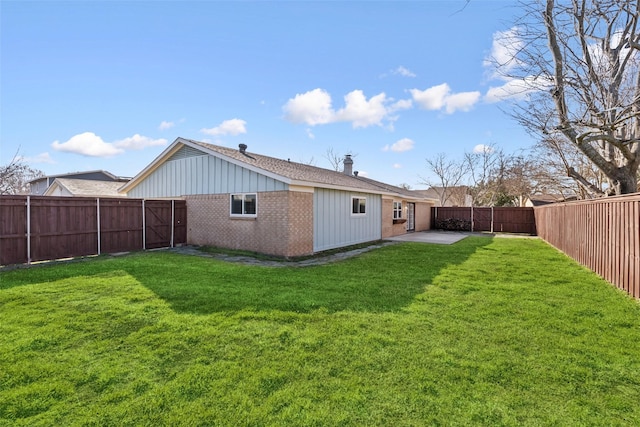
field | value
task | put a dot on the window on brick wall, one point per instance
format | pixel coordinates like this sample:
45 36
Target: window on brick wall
358 205
397 210
245 205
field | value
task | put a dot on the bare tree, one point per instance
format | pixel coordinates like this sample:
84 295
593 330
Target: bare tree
482 169
579 63
558 166
336 159
448 175
15 176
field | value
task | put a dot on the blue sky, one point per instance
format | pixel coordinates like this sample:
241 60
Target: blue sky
108 85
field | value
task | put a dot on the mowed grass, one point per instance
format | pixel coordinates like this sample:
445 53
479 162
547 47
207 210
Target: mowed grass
482 332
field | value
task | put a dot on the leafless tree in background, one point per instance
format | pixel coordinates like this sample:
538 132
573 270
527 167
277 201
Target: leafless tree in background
577 64
336 159
448 174
15 176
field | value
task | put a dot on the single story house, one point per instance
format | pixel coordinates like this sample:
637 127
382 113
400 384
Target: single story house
242 200
39 186
67 187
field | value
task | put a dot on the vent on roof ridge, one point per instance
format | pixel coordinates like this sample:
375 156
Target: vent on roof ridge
242 148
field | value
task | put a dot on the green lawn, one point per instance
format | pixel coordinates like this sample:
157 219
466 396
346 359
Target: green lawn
483 332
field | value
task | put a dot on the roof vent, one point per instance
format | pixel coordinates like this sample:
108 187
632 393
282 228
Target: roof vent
355 173
243 148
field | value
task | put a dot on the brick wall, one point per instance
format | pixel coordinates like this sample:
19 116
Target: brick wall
389 229
300 223
423 216
283 226
387 218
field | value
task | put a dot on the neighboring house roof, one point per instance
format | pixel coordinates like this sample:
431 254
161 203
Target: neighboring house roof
100 175
287 171
546 199
85 188
457 195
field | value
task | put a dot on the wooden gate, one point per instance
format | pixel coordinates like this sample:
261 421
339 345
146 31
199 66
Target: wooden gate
164 223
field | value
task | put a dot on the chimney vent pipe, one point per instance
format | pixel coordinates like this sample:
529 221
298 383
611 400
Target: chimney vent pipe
243 148
348 165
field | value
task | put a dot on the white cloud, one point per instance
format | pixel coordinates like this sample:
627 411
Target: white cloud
228 127
403 104
482 148
440 97
462 101
166 125
39 158
310 133
404 144
138 142
91 145
397 166
315 108
432 98
516 89
87 144
504 51
404 72
360 112
312 108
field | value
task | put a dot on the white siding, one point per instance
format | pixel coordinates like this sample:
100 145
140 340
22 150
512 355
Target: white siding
202 174
334 225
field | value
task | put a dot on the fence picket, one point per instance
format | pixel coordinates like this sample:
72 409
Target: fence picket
37 228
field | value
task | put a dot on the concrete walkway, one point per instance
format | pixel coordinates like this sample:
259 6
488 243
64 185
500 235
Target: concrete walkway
439 237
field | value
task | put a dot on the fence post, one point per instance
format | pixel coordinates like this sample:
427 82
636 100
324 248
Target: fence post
492 219
28 229
98 221
144 228
436 218
472 218
173 207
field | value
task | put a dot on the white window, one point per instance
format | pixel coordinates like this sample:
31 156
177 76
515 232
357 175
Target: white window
358 205
397 210
244 204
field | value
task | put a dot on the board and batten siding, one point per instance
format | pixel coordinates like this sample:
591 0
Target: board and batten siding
333 224
190 171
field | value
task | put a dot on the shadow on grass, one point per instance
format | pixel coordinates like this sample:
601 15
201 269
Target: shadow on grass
385 279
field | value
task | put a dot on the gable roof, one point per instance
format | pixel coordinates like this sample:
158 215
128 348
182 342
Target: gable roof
287 171
86 187
94 174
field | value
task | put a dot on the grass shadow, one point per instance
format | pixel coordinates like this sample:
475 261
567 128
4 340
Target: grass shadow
385 279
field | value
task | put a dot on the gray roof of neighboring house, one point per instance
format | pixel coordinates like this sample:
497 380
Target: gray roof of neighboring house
295 173
93 175
88 187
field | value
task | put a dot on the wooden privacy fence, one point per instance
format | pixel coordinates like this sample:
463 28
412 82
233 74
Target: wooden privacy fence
38 228
602 234
494 220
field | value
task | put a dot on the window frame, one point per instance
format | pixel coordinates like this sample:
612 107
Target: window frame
359 214
243 214
397 210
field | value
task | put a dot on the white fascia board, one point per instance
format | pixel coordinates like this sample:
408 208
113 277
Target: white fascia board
51 189
301 189
175 146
